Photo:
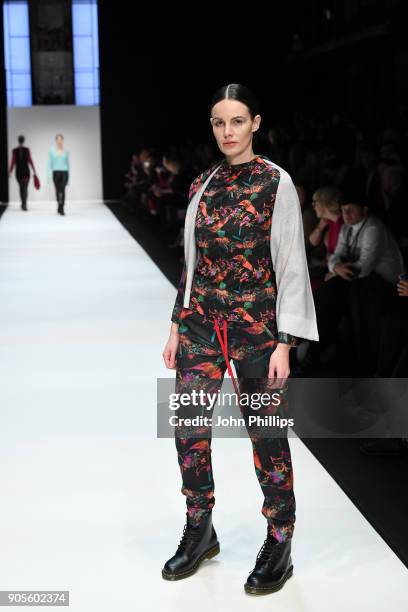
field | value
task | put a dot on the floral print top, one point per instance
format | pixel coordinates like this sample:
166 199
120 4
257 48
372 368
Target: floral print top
234 277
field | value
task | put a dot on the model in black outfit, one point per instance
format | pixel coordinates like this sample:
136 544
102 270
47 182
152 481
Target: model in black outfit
21 160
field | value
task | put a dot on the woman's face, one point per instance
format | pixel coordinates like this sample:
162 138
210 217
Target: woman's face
318 207
233 126
59 140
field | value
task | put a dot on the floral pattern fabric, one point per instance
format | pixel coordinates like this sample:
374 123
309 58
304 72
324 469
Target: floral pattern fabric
201 366
234 278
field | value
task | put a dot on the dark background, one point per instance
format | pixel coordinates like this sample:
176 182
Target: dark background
161 63
160 68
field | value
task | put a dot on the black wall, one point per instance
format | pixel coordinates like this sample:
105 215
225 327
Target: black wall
4 192
159 70
160 67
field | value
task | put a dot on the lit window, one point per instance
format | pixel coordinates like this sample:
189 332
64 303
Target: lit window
86 51
17 53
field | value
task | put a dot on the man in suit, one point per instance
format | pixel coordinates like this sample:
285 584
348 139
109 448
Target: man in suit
365 267
21 160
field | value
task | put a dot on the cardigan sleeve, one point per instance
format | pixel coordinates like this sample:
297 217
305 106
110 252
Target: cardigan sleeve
295 310
178 304
285 338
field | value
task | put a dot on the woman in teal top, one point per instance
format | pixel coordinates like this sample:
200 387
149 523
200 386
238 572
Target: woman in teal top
58 169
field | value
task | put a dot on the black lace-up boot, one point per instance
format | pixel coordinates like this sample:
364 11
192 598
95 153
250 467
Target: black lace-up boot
272 568
196 544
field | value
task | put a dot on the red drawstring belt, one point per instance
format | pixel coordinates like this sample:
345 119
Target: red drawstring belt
224 347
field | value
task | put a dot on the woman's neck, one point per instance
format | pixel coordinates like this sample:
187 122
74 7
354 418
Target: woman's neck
242 158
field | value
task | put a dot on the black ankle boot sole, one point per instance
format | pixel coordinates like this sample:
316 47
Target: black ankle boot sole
209 554
252 590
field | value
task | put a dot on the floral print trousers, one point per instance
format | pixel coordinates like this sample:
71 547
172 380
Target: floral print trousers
201 364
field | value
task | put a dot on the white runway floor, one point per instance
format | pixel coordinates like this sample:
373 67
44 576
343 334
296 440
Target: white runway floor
90 497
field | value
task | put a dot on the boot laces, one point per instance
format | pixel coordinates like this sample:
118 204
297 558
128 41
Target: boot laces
268 550
190 536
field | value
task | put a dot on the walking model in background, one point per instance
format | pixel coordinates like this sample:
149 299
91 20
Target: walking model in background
21 160
58 170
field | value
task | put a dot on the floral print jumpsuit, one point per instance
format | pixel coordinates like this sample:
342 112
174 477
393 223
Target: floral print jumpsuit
233 288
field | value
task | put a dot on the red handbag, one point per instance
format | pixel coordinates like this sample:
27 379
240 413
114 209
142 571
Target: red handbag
37 183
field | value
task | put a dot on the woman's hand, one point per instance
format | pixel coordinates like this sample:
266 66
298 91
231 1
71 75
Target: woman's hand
402 287
315 237
344 270
170 350
279 365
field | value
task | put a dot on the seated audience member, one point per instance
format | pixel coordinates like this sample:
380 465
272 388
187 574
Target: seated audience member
149 178
172 200
365 245
326 205
132 176
366 264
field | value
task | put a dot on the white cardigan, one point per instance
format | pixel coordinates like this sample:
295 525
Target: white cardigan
295 310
